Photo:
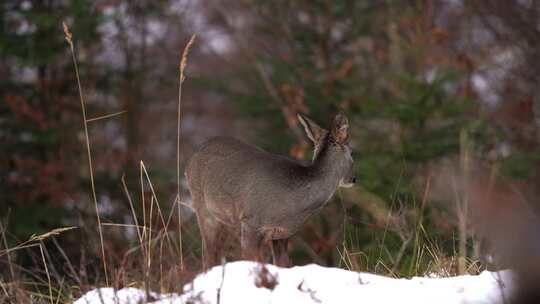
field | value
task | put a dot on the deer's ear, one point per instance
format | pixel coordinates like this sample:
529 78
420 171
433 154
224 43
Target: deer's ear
340 128
313 131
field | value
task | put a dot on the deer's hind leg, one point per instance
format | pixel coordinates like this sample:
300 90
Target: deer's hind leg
212 234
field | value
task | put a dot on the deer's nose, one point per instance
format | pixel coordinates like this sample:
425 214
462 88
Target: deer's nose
353 180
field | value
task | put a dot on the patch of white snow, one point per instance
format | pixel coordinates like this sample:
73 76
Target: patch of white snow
241 282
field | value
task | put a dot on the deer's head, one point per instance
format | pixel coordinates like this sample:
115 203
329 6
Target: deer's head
333 145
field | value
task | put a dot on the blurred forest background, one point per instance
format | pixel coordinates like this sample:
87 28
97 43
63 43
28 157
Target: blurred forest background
442 97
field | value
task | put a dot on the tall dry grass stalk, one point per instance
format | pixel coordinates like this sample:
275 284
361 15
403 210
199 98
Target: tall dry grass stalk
183 63
150 236
4 240
46 271
462 201
69 39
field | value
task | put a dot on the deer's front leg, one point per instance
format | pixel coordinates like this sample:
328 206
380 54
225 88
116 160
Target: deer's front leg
252 243
281 252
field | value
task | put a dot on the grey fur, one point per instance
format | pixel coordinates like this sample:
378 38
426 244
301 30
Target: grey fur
262 196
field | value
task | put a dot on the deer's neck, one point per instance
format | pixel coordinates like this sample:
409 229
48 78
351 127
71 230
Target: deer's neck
323 176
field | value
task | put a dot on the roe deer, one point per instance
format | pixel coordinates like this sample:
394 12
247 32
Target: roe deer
265 197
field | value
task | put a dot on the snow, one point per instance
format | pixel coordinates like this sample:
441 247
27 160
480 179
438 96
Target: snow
127 295
249 282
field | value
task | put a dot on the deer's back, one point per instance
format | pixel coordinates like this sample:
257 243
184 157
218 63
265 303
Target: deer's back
236 182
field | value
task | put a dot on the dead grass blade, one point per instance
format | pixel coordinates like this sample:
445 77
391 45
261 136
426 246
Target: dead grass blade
4 240
105 116
154 196
69 36
36 238
183 63
47 272
132 208
68 262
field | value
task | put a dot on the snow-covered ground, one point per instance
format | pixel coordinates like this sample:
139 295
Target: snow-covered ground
249 282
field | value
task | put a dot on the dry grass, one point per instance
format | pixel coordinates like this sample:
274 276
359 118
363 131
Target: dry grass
16 290
424 257
157 250
183 63
146 239
69 39
411 251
